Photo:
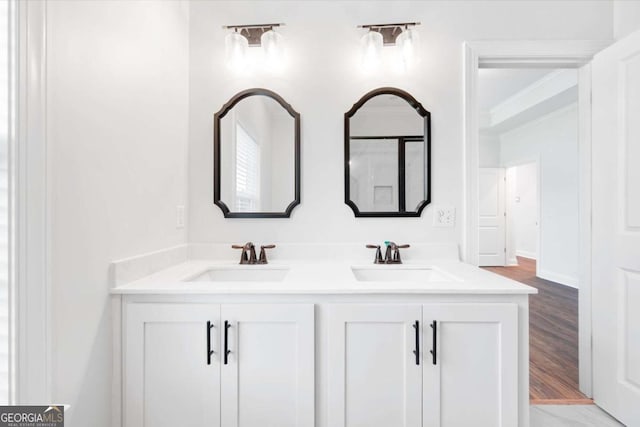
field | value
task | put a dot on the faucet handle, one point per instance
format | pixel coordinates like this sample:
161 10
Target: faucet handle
396 253
262 259
244 257
378 259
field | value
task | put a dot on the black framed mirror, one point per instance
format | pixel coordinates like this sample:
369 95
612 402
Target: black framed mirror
387 155
256 156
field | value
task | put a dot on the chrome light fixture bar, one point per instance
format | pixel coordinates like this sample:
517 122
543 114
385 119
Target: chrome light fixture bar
390 32
253 33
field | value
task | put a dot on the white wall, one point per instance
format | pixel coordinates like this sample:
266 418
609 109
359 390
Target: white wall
324 79
553 139
523 208
489 150
117 133
128 82
626 17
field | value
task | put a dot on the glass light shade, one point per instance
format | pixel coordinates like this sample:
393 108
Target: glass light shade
407 43
372 43
273 49
236 46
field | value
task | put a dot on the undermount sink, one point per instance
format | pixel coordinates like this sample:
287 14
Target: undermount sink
250 273
400 273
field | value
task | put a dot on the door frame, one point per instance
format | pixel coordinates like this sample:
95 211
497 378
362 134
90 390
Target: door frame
532 54
30 212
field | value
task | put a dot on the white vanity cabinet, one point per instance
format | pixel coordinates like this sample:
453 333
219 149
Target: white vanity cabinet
175 372
374 380
167 378
301 356
429 365
474 378
268 379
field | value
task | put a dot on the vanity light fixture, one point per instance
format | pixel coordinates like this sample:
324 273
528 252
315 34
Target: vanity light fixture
371 50
402 35
263 36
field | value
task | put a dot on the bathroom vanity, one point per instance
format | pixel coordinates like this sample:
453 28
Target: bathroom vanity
324 335
328 343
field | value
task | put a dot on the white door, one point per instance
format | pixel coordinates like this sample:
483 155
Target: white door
170 377
375 378
470 365
616 229
491 224
268 377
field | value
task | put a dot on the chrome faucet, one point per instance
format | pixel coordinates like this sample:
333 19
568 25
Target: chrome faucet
378 259
248 254
391 255
262 259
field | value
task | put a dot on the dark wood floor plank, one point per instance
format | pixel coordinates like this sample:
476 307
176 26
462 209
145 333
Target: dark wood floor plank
553 335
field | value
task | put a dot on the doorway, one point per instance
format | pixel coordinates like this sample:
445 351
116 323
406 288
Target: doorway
607 103
529 211
509 208
522 208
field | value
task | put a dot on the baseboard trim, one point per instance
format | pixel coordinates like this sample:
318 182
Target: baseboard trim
583 401
558 278
526 254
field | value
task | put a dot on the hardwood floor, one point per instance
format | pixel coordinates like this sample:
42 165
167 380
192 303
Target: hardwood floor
553 336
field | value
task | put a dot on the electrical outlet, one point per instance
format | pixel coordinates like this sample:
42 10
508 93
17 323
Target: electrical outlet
180 216
444 216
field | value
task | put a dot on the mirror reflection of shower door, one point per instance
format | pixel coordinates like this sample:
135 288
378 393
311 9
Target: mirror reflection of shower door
415 168
387 147
374 174
387 174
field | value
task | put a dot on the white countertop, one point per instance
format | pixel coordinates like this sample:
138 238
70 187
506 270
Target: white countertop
328 277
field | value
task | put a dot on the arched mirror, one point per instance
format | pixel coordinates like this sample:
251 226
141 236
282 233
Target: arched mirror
256 156
387 149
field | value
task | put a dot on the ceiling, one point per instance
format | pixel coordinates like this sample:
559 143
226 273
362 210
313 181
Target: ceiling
510 98
495 85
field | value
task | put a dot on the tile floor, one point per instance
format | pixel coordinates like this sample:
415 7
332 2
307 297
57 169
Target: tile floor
570 416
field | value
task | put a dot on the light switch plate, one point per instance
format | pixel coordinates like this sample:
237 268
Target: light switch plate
179 216
444 216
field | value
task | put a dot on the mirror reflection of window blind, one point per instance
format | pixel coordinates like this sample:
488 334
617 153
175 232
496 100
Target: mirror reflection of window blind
247 171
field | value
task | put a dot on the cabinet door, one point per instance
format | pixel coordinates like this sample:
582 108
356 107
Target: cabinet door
374 377
268 379
473 380
169 378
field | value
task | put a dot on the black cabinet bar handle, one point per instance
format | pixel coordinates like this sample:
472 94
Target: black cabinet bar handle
209 351
416 326
434 347
226 342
